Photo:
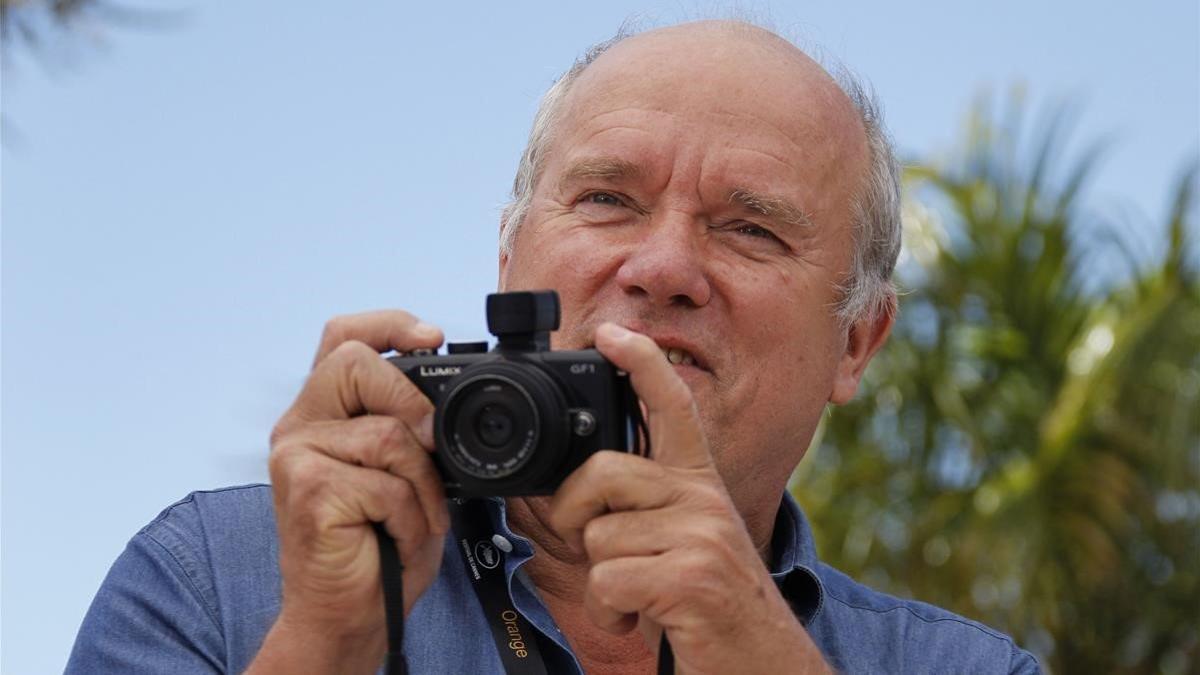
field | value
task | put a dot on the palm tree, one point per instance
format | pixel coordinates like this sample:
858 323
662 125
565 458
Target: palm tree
1026 450
51 27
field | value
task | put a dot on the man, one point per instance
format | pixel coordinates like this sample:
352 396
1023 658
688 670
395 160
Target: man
720 219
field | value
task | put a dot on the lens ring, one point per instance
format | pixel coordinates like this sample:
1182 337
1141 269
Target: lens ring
490 453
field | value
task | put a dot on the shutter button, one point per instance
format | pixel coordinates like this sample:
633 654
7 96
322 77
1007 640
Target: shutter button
502 543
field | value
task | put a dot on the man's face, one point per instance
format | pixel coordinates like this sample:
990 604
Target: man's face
697 190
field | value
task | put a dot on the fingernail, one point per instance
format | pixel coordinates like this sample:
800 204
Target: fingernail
426 329
425 431
615 331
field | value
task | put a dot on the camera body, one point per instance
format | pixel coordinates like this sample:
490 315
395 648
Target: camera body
518 419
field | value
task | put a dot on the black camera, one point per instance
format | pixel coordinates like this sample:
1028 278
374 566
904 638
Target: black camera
517 419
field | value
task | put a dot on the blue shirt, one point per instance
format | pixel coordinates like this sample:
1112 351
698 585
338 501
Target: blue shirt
198 588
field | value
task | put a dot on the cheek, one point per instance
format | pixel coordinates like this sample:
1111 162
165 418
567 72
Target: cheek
577 262
553 253
786 346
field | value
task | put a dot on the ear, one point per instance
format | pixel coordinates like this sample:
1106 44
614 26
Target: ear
503 262
864 337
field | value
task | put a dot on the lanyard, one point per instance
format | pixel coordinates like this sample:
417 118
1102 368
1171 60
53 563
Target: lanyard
515 637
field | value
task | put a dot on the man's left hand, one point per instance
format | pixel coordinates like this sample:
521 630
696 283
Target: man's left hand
669 550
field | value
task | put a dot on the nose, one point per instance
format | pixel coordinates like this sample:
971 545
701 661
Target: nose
667 265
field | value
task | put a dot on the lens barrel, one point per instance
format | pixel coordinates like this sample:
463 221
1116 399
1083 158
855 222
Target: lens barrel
503 423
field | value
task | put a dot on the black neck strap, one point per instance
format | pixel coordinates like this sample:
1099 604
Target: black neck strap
472 526
516 639
391 572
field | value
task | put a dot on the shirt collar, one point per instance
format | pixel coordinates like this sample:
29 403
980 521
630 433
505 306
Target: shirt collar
793 555
794 561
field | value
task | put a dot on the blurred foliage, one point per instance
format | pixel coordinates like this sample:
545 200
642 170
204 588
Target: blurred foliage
54 30
61 34
1026 449
27 22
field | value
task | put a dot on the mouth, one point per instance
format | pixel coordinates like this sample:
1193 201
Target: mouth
680 353
677 356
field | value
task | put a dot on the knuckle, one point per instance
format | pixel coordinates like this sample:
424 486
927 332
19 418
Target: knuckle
349 362
403 493
320 517
606 462
594 536
405 318
708 496
696 575
711 539
305 476
278 433
389 434
277 459
409 396
281 462
350 352
304 501
306 471
336 329
600 582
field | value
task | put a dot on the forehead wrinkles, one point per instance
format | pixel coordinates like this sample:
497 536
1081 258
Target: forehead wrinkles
718 174
789 110
639 133
632 144
795 136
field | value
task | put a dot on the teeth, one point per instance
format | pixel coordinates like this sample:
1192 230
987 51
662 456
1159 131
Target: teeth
679 356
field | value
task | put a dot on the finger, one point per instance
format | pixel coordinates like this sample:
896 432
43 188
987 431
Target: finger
607 481
329 500
652 635
647 533
392 501
354 380
616 595
381 331
386 443
675 435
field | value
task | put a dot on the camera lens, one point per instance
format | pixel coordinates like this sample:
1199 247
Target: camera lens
503 424
494 425
491 423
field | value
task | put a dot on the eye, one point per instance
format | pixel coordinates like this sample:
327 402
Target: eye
752 230
750 237
606 207
602 199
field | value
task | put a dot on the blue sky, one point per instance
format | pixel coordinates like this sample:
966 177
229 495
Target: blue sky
184 207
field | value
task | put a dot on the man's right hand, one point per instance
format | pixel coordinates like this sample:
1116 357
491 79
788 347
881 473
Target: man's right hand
353 449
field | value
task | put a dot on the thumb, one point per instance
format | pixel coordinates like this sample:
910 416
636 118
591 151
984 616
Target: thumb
675 436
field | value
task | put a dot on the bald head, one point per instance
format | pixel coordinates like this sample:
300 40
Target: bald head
726 56
728 69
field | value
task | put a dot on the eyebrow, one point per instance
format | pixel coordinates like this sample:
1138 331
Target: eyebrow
607 168
775 208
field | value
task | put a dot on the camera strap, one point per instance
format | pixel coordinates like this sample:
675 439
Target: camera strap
391 572
516 638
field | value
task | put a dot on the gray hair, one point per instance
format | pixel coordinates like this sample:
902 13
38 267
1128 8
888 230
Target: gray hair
867 291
